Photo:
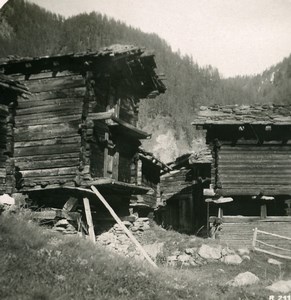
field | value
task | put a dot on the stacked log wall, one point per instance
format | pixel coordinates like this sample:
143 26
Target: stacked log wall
250 169
177 194
47 129
3 150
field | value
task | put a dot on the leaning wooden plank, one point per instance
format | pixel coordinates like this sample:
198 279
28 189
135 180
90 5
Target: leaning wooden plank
129 234
89 219
70 204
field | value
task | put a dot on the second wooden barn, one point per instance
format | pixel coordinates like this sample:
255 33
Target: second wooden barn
77 127
251 165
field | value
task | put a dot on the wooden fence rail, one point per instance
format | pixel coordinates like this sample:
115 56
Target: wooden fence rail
257 241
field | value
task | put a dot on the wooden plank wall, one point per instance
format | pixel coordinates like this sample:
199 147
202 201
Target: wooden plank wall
47 134
240 234
3 145
176 183
176 192
249 169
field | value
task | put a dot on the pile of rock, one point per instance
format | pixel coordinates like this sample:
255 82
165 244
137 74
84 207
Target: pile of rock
115 238
140 225
64 227
205 253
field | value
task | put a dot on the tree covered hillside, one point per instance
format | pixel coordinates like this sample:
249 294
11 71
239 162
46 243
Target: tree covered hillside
28 30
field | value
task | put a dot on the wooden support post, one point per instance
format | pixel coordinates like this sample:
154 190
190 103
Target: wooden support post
105 167
89 219
139 172
220 212
263 210
208 227
129 234
115 166
255 238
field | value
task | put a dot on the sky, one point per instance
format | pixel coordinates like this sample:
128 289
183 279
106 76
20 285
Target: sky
239 37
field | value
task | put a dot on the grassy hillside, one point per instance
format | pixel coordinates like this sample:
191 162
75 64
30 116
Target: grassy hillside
39 264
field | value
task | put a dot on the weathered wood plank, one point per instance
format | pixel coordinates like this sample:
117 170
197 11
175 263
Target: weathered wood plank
32 104
89 219
50 163
50 172
56 213
54 141
48 149
19 122
46 157
41 75
76 112
55 179
50 108
51 84
78 92
250 191
42 132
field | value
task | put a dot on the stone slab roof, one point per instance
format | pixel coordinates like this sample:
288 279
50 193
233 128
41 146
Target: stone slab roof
244 114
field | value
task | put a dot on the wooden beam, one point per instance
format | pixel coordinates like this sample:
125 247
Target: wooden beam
89 219
52 214
141 134
105 166
100 116
129 234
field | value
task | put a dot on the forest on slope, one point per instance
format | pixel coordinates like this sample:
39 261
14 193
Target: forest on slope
28 30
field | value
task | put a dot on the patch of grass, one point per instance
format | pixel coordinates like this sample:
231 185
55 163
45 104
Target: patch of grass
39 264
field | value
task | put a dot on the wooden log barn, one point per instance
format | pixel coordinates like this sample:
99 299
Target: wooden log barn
250 171
182 207
77 125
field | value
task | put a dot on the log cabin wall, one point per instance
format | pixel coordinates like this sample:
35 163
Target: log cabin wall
4 164
68 130
9 90
250 169
150 177
177 194
251 162
47 140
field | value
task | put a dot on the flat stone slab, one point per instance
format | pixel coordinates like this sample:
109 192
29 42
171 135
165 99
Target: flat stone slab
246 278
281 286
